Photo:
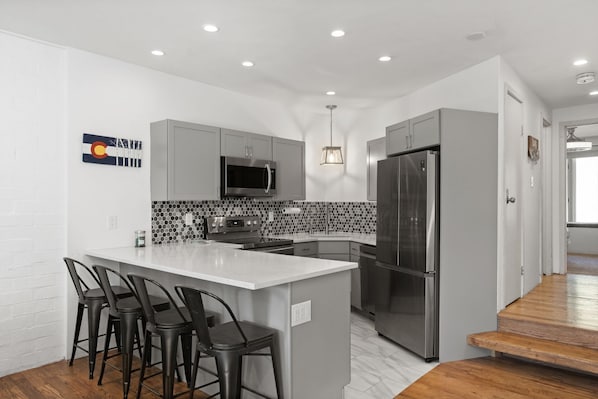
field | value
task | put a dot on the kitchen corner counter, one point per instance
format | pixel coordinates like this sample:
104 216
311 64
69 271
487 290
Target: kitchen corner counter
224 263
369 239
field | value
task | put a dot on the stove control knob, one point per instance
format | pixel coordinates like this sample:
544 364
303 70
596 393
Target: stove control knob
255 222
214 225
221 225
249 223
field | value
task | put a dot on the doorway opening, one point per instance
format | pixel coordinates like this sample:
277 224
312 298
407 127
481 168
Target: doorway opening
582 198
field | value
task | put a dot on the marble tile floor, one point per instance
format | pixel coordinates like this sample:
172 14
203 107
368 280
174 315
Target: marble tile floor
380 369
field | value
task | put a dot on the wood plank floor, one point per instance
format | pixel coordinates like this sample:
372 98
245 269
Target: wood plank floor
59 381
582 264
563 307
504 378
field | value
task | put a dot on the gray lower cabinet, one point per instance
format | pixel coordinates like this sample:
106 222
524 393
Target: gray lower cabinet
420 132
236 143
376 151
309 249
185 161
289 156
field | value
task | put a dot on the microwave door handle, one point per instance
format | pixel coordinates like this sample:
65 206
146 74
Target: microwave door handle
269 177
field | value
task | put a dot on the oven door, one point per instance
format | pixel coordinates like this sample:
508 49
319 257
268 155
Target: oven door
284 250
244 177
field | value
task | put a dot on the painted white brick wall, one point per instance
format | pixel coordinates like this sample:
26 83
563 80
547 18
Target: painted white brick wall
32 204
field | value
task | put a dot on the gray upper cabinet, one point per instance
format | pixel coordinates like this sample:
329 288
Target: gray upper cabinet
397 138
235 143
419 132
185 161
289 156
376 151
425 130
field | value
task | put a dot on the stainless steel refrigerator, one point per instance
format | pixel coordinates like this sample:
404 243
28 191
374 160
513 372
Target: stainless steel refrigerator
406 272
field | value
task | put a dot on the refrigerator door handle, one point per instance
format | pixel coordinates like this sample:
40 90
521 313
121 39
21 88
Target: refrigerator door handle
431 211
398 215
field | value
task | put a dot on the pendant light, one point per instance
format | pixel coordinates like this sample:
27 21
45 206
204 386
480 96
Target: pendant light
574 143
331 155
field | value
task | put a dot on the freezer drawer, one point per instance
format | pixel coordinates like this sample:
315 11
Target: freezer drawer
406 309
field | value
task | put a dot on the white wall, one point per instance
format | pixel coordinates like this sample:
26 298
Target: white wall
471 89
534 111
32 204
583 240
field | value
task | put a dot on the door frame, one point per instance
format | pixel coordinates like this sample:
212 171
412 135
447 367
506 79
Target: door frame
559 206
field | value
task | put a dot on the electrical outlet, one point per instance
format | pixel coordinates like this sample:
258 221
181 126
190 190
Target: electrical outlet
300 313
270 216
112 222
188 219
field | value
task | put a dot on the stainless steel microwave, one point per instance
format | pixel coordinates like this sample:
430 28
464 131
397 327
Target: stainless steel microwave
246 177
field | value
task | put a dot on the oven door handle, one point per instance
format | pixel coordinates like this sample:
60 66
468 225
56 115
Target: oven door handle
269 172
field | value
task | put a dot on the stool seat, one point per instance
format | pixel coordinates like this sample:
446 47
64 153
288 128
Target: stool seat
226 336
131 304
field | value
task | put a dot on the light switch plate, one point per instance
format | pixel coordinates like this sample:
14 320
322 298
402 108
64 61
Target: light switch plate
270 216
300 313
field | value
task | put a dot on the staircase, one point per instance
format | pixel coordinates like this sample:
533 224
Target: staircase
555 324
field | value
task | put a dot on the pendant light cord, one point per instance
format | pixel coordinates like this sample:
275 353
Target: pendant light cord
331 126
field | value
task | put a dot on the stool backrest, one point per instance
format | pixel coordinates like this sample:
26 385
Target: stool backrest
140 284
192 298
102 273
80 285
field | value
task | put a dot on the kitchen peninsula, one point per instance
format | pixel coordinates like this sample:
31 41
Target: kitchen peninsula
262 287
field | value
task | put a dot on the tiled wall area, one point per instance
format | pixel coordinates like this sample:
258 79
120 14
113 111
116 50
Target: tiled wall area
352 217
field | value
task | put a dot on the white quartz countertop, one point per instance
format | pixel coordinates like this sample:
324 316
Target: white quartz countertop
224 263
369 239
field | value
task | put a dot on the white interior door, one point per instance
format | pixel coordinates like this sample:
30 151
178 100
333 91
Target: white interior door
512 201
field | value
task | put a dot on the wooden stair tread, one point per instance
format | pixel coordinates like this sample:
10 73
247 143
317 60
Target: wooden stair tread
546 351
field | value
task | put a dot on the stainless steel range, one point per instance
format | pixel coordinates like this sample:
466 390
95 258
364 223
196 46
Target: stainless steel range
244 230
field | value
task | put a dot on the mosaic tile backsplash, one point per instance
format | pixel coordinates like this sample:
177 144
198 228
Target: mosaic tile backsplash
351 217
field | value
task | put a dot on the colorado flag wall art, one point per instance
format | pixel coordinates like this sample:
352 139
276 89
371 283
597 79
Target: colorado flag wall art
112 150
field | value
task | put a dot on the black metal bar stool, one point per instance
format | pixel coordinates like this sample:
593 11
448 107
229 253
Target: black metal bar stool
94 300
170 325
228 343
125 313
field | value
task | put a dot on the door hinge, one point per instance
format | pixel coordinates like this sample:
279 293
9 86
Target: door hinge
522 271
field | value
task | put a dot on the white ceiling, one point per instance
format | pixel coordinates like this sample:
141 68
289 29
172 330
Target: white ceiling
297 59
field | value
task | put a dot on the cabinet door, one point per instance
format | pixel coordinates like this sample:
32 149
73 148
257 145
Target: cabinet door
425 130
234 143
376 151
397 138
289 156
259 146
193 161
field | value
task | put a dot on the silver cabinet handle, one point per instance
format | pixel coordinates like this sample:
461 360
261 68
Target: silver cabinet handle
406 141
510 200
246 152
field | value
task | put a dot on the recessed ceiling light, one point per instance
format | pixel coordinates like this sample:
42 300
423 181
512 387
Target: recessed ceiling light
211 28
594 93
330 93
158 52
337 33
475 36
385 58
580 62
585 78
247 64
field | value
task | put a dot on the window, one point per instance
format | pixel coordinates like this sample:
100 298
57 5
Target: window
582 187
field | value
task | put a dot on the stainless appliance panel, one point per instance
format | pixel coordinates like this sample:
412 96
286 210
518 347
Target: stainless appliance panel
286 250
387 210
247 177
367 262
406 310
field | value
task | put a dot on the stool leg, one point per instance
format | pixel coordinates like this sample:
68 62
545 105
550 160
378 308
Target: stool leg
229 367
146 351
109 326
80 309
276 367
94 310
169 341
194 373
186 346
128 330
